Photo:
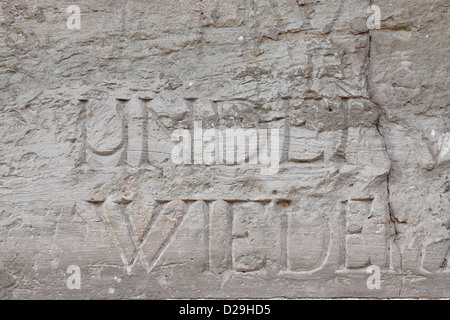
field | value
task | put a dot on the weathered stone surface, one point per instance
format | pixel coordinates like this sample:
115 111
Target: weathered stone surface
87 176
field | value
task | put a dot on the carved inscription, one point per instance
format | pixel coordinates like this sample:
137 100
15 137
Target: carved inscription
125 141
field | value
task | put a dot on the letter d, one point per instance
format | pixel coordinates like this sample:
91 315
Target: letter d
226 309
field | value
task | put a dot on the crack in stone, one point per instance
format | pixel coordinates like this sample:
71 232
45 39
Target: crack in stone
382 116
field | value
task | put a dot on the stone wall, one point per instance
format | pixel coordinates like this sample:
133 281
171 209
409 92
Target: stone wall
358 116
